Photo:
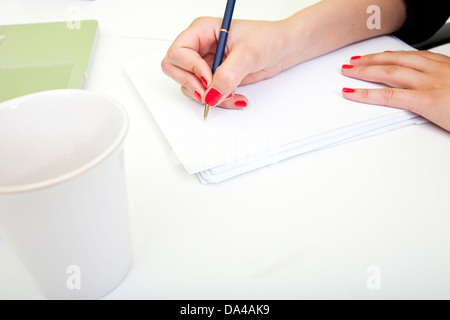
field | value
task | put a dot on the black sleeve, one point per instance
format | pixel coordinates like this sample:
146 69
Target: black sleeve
424 19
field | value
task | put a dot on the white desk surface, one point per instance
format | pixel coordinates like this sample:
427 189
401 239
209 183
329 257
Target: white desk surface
306 228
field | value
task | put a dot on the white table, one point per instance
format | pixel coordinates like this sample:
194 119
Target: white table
310 227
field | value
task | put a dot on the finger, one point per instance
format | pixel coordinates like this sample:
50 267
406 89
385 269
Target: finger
191 61
194 95
434 56
237 65
407 59
392 75
233 101
412 100
183 77
193 48
238 101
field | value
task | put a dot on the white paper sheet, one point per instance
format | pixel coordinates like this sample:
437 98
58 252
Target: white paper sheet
297 111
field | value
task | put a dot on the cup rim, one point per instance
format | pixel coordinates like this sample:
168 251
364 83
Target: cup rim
22 188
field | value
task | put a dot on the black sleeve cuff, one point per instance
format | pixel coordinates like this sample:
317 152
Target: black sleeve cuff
424 19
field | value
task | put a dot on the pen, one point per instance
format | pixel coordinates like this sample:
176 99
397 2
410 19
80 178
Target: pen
218 58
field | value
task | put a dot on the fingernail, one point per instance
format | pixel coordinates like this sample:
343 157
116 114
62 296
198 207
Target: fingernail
205 83
230 96
240 104
212 97
347 66
198 96
355 57
348 90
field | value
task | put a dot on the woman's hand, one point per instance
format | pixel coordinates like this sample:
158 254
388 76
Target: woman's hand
419 81
255 50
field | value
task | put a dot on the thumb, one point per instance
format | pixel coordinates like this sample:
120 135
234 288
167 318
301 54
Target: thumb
227 78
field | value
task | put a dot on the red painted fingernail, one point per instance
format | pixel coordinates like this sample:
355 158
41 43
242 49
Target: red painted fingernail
347 66
356 57
198 96
205 83
230 96
348 90
212 97
240 104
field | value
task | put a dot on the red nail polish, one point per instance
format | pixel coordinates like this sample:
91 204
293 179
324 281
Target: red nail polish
240 104
356 57
347 66
198 96
204 82
348 90
230 96
212 97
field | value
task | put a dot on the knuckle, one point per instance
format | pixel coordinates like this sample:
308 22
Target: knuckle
388 94
172 54
229 78
195 69
197 20
202 19
202 22
391 69
184 81
364 93
166 66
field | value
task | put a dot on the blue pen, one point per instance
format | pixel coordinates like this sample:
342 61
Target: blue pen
218 58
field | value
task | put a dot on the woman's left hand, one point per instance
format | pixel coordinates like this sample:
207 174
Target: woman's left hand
419 82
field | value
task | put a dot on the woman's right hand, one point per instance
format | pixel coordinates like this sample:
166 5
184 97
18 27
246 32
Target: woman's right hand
255 50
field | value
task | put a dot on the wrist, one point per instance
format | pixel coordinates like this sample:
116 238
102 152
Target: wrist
331 24
298 40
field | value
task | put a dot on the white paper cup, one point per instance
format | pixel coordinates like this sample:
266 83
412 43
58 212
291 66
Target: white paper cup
63 204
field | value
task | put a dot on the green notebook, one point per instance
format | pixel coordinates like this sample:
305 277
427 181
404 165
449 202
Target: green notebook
44 56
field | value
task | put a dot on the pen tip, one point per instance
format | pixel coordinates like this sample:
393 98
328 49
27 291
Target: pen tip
206 112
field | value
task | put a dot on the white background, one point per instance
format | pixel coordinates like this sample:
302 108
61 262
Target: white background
309 227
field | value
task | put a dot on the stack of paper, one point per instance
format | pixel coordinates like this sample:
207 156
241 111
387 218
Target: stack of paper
297 111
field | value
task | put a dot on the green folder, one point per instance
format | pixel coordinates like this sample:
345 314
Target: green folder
45 56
